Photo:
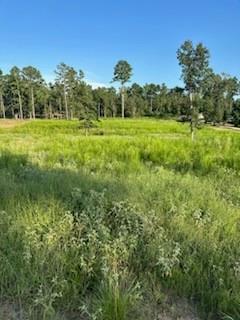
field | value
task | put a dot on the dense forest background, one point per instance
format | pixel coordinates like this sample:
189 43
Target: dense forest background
25 94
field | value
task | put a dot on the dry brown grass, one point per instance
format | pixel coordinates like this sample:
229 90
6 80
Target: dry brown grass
10 123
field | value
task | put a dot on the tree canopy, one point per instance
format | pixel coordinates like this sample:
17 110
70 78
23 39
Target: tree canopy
25 94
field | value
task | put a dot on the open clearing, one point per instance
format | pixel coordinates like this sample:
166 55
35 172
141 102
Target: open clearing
112 222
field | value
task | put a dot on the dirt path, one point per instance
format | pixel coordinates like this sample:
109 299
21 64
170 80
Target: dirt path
227 127
8 124
178 309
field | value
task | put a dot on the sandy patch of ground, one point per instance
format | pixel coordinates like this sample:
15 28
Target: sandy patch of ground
8 311
226 127
8 124
171 310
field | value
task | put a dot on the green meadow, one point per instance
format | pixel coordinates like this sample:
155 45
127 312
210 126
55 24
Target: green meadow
105 224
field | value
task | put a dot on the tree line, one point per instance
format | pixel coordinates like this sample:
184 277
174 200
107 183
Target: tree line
25 94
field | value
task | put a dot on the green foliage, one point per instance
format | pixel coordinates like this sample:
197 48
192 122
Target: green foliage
236 113
89 223
194 62
122 72
25 94
87 124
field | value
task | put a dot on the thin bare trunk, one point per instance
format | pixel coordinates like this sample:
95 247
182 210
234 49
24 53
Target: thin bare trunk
2 106
33 103
19 101
50 110
65 102
105 111
45 110
113 110
60 104
123 102
192 115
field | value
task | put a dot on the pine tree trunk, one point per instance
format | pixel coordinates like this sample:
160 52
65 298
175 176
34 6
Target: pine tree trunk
19 99
105 111
60 104
192 115
20 103
123 102
112 110
45 110
50 110
33 104
65 102
2 106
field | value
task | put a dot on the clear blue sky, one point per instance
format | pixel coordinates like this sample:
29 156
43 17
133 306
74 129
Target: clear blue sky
93 35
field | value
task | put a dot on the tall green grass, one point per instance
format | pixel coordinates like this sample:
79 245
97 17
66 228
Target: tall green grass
88 222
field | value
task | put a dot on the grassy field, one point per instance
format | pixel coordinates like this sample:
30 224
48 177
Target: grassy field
109 224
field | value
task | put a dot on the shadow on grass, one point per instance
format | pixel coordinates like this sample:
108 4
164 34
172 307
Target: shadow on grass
22 181
26 185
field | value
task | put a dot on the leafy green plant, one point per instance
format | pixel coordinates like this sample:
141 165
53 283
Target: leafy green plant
87 124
